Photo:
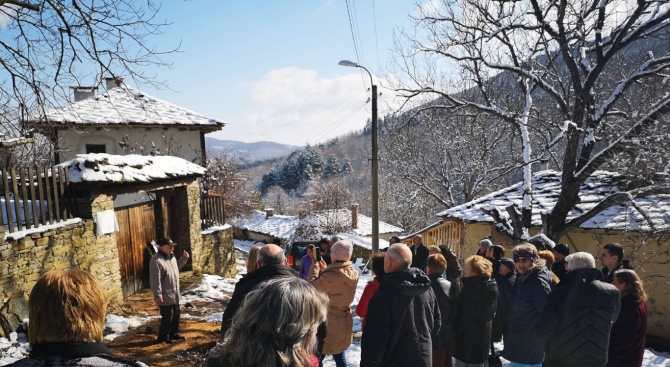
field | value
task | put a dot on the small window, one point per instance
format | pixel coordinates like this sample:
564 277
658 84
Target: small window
95 148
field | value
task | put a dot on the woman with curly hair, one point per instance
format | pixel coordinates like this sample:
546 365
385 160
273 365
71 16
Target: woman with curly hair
628 332
286 339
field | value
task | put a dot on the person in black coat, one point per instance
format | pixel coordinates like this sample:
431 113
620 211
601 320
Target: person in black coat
505 282
578 316
272 264
532 287
403 316
444 292
419 252
453 268
475 308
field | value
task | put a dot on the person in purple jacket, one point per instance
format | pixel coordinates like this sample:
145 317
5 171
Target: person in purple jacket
306 262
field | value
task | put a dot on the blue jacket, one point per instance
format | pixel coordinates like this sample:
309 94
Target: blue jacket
522 343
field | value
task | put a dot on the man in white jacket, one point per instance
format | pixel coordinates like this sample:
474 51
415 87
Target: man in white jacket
164 280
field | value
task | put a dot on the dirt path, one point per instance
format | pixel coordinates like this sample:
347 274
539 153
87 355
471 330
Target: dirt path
140 343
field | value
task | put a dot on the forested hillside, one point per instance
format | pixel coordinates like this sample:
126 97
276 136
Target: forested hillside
435 156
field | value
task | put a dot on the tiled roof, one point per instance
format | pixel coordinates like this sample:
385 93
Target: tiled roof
546 189
280 226
125 105
312 225
364 222
100 167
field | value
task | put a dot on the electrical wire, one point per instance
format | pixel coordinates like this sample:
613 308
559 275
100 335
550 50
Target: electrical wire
374 17
338 109
326 132
353 36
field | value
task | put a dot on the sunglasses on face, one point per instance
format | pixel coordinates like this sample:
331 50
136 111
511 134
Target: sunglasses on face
522 260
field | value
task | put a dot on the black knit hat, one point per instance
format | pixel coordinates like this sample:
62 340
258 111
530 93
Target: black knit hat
509 263
562 249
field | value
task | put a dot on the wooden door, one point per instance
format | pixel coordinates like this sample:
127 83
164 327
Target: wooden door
137 228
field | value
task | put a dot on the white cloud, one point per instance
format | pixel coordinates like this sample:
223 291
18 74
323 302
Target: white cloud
298 106
430 7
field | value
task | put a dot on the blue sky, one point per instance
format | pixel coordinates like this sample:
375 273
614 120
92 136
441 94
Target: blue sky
269 68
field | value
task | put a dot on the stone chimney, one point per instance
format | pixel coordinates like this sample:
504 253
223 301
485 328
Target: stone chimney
544 164
81 92
354 216
269 212
113 82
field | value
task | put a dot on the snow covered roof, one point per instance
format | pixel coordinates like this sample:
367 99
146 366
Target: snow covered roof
101 167
128 106
280 226
365 242
364 222
546 189
311 226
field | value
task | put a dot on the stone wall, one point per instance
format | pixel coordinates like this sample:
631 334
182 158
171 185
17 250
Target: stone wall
23 260
216 254
188 221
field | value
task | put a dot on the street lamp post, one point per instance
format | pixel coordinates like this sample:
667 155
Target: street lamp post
375 161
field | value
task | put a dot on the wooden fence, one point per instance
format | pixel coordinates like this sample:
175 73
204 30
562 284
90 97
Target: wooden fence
35 196
212 211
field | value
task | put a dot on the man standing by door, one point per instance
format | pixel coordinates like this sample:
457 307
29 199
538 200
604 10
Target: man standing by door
164 280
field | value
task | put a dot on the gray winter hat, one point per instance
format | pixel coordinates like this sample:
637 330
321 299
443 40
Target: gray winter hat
485 242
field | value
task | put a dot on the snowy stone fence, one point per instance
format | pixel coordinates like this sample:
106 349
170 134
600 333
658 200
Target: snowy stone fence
25 256
217 255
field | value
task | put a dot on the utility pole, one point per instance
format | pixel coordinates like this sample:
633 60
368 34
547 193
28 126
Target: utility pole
375 159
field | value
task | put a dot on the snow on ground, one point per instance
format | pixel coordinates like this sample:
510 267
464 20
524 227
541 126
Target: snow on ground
216 288
119 325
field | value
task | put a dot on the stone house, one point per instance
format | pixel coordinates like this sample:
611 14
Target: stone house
123 120
642 227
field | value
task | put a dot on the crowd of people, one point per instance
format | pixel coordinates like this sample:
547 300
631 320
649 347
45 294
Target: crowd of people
549 307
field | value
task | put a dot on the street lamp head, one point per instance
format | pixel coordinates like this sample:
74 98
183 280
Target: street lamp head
348 63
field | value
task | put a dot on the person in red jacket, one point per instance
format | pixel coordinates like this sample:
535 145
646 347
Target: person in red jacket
628 332
377 265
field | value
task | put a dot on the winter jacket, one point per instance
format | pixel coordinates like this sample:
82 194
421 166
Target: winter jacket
608 276
419 256
403 317
475 308
363 303
453 270
444 293
164 277
93 354
558 268
522 344
577 320
305 264
628 334
247 284
338 280
505 295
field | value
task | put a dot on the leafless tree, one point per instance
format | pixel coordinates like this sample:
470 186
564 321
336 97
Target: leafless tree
224 178
49 45
582 83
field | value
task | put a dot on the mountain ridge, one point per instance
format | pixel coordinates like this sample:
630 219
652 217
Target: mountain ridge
248 152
